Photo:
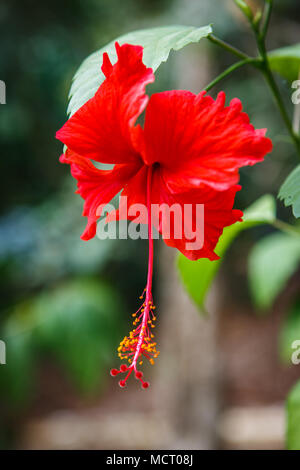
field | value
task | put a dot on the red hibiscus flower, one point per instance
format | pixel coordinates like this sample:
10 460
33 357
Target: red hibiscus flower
188 152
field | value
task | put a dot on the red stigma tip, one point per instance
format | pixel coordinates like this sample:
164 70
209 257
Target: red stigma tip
122 383
123 368
139 374
114 372
145 385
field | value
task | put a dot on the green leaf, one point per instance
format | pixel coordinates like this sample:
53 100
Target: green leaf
293 418
290 191
271 263
286 61
197 276
289 333
157 43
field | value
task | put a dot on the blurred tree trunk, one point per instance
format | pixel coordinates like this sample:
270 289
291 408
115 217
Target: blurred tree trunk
186 388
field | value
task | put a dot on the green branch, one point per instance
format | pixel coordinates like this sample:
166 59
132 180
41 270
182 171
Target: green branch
261 62
286 228
228 71
228 47
280 104
267 17
266 70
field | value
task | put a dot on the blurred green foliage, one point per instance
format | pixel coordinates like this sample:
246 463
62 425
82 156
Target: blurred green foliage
290 332
293 418
272 262
76 322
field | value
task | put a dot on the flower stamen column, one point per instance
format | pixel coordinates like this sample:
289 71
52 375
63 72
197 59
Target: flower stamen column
140 343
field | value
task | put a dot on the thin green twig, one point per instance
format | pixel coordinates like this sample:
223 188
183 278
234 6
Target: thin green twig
266 70
228 71
228 47
262 63
267 17
286 228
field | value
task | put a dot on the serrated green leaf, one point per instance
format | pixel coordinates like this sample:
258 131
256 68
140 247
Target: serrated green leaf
197 276
286 61
290 191
293 418
289 333
272 262
157 43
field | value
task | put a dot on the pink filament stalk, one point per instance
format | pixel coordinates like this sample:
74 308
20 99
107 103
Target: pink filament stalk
148 296
139 344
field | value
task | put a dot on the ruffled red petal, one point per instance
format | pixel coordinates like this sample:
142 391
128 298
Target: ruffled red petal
197 140
97 187
103 128
218 213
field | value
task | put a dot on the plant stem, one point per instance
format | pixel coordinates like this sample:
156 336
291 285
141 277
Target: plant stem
268 11
261 62
265 68
278 99
228 47
228 71
286 228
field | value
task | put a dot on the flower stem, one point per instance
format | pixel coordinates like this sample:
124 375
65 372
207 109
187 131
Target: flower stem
228 47
265 68
280 104
228 71
287 228
268 11
261 62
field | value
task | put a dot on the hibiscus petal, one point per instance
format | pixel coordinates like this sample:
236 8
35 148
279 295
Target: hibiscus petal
103 128
97 187
197 140
218 213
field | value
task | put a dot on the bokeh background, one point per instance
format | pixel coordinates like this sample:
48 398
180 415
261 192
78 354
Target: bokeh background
65 303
